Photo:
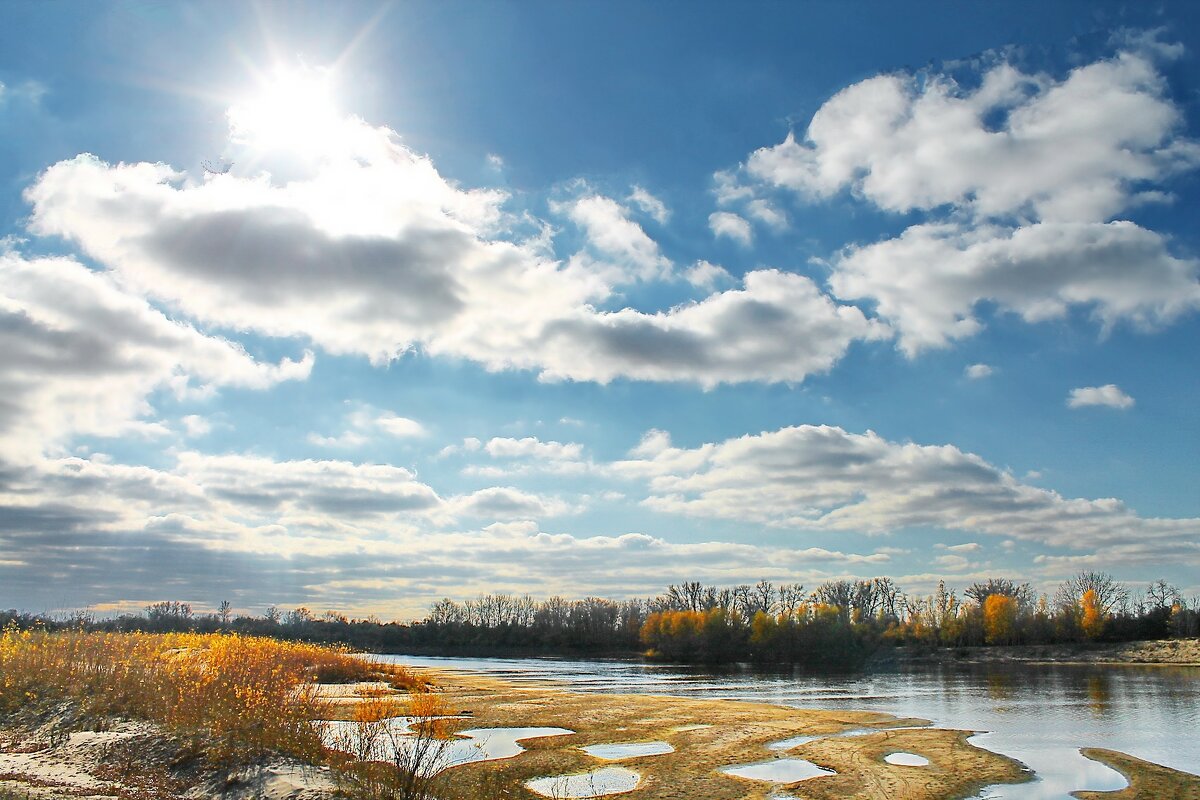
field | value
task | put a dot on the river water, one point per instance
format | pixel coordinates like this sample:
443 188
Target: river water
1039 715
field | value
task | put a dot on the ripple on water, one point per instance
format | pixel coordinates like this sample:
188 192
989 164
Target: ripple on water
779 770
597 783
616 752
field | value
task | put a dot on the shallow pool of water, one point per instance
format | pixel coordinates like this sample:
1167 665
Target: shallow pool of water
795 741
1040 715
906 760
398 745
597 783
778 770
616 752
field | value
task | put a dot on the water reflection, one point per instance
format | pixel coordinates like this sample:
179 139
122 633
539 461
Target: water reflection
1099 691
1000 686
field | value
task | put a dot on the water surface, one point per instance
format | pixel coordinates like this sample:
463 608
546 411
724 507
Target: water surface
1040 715
597 783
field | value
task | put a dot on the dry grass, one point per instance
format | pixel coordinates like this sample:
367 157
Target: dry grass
240 696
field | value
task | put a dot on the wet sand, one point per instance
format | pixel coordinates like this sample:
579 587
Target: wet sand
739 733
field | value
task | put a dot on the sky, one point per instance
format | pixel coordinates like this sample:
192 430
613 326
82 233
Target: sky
359 306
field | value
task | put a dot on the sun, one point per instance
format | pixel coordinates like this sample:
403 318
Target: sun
290 109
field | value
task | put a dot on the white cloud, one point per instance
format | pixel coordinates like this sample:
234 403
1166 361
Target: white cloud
610 232
1109 395
345 439
370 251
82 356
779 327
532 447
365 424
508 503
650 204
1063 150
400 427
195 425
765 212
704 275
331 534
823 478
469 445
928 281
1021 176
730 225
977 371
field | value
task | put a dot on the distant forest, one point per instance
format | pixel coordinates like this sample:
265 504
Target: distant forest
837 625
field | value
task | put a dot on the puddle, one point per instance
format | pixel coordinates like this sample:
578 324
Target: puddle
597 783
779 770
795 741
685 728
906 760
1073 772
616 752
398 744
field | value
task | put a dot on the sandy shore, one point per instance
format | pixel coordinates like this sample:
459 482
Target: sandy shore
736 733
706 735
1166 652
1146 780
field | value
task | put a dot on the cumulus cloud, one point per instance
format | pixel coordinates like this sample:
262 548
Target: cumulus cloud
195 425
824 478
81 355
365 424
705 275
615 236
1070 150
1109 395
779 327
1021 176
532 447
928 281
507 503
371 251
978 371
731 226
649 204
330 534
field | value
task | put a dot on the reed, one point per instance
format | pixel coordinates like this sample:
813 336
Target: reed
238 696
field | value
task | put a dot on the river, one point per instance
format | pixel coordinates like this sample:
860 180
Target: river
1039 715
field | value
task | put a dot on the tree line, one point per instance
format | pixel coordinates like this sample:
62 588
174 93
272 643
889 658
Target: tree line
837 624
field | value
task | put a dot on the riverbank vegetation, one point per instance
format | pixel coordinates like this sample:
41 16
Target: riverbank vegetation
837 624
234 697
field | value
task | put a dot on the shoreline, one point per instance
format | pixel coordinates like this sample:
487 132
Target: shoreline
733 732
1151 653
706 734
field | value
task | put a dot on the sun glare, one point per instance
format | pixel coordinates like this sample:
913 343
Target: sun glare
291 109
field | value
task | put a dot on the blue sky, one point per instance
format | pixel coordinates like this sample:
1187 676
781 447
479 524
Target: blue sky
591 298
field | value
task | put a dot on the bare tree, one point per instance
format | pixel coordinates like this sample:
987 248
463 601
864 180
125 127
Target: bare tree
1110 595
1162 594
1021 592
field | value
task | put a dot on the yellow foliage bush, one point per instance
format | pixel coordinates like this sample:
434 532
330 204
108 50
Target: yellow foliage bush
242 695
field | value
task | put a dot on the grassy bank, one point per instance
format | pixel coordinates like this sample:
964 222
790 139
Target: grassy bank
237 697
